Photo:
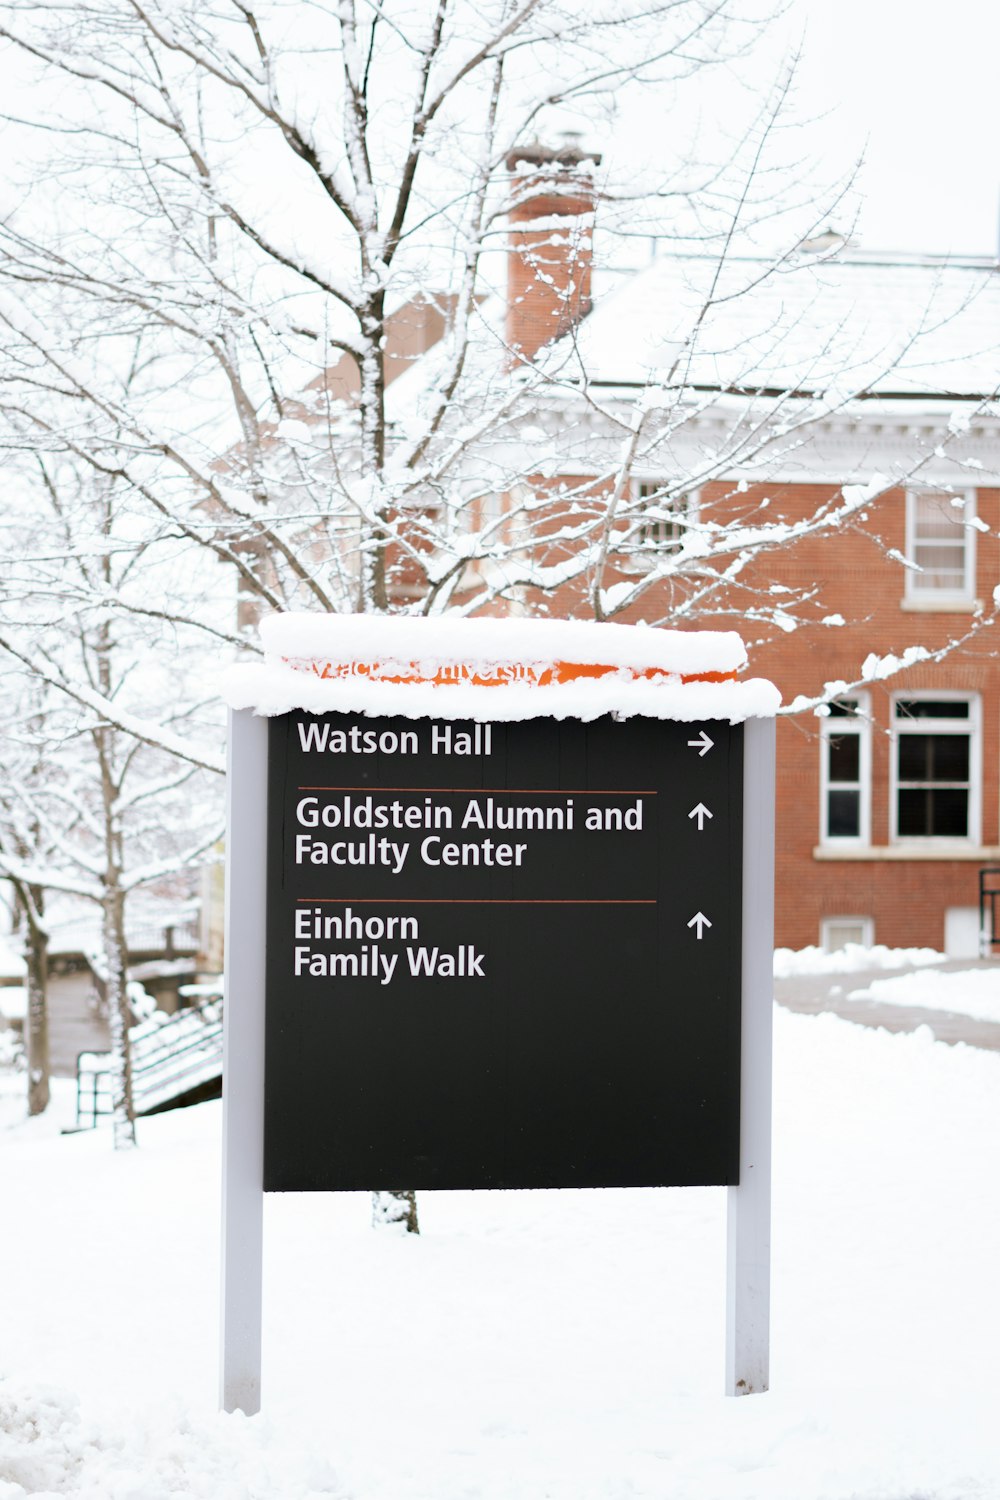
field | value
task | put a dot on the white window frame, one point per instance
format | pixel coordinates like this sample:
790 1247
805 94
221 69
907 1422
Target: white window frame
972 727
918 594
866 924
646 554
859 724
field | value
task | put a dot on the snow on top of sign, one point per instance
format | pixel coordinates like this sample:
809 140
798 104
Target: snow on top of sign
280 690
313 642
449 638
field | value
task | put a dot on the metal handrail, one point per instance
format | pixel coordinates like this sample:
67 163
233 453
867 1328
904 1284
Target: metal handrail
989 894
170 1055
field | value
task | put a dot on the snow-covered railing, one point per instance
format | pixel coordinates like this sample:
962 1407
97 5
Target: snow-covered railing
171 1055
168 939
989 899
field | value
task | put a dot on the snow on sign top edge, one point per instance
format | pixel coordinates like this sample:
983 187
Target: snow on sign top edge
449 639
312 664
271 690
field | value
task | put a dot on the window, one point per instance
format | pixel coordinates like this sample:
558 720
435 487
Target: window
660 519
836 932
845 773
936 771
940 539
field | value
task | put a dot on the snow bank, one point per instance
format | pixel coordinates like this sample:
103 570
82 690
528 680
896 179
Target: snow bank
852 958
496 669
47 1448
966 992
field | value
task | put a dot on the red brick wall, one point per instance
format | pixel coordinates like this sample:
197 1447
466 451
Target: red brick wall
907 899
852 577
549 268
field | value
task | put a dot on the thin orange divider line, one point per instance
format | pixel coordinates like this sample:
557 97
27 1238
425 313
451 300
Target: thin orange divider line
481 901
478 791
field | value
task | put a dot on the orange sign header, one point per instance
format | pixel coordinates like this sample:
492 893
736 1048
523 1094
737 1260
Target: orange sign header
505 674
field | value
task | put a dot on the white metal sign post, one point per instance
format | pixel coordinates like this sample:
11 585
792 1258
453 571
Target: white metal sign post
748 1259
243 1065
748 1255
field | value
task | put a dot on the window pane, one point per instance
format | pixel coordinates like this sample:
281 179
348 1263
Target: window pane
938 581
914 814
843 815
929 813
943 553
844 757
931 708
844 708
935 516
933 757
662 534
839 931
662 517
950 813
914 759
940 544
950 757
943 567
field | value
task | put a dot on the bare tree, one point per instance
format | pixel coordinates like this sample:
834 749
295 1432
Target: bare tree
96 804
298 202
280 201
272 296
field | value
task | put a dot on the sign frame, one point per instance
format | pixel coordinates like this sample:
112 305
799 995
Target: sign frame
748 1204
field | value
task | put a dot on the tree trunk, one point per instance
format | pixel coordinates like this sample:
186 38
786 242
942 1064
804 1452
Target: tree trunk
373 596
119 1018
30 901
115 954
396 1207
36 957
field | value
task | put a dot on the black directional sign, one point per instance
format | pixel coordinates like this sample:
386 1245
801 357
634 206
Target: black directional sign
502 955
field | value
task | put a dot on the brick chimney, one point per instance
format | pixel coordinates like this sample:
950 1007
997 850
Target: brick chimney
550 248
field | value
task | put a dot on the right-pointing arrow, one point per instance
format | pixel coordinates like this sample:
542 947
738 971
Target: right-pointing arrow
702 744
700 812
700 922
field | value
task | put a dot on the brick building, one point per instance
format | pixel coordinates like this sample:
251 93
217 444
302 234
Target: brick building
869 376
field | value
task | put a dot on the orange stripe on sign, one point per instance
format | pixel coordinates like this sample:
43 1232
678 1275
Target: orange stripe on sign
506 674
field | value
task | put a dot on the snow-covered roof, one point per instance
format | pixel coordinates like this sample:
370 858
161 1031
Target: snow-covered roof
496 669
889 325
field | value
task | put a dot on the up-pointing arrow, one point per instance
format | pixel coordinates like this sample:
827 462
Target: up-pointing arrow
700 812
702 744
700 922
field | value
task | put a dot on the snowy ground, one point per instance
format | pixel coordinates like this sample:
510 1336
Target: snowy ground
968 991
975 993
543 1346
850 959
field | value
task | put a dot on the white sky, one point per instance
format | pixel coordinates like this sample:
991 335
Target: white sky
910 84
915 86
